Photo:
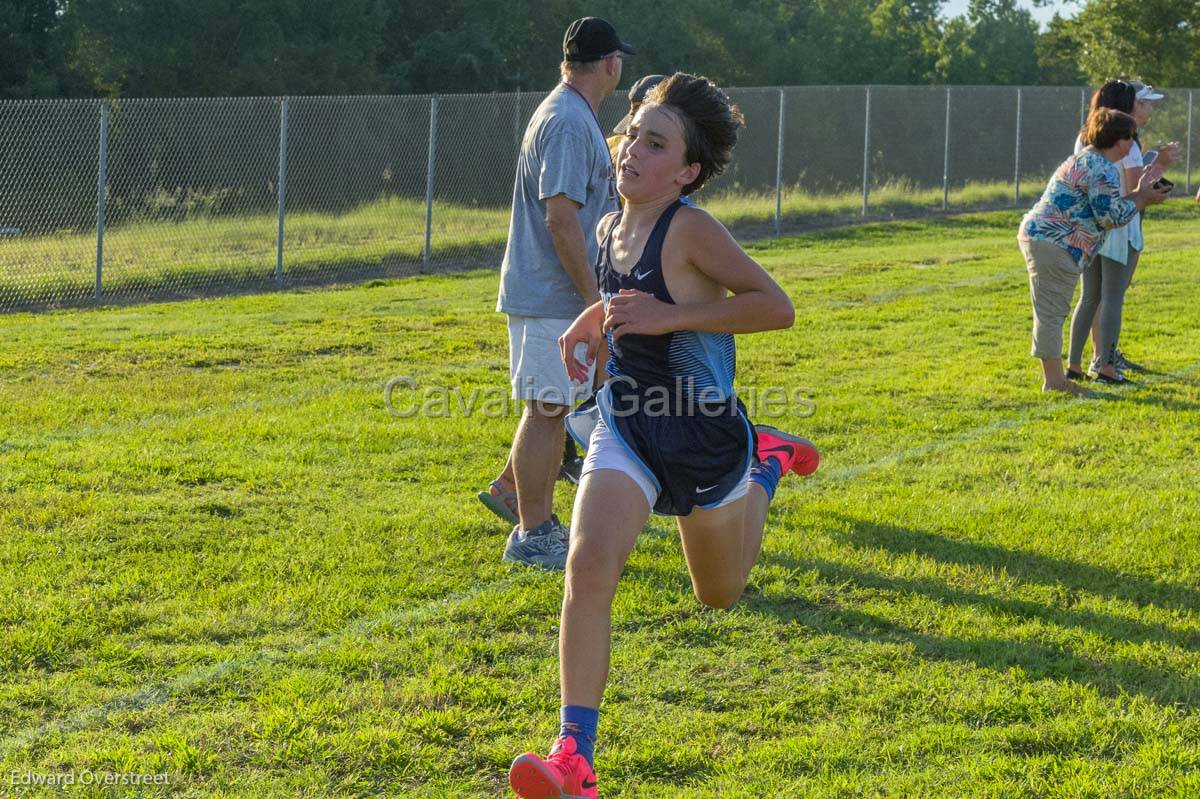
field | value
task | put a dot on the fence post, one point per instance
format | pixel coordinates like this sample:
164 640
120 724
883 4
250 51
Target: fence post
1017 155
517 137
101 198
779 170
946 157
1083 104
866 192
1188 182
433 106
282 187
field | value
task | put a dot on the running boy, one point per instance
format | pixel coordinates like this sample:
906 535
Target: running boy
670 434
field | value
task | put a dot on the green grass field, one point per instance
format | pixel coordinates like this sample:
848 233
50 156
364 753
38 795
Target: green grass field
223 560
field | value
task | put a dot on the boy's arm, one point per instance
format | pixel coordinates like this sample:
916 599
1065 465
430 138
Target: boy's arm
757 304
586 330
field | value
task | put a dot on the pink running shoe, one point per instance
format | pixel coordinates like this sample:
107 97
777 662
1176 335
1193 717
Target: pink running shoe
794 453
562 775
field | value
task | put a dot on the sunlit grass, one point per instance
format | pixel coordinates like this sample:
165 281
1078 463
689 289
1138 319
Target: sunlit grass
223 560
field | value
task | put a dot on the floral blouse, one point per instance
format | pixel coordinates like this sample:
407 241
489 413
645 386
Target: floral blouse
1081 203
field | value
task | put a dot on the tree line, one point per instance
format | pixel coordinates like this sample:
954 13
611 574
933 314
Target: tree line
168 48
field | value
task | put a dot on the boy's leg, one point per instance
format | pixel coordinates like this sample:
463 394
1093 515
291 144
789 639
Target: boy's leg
610 511
722 544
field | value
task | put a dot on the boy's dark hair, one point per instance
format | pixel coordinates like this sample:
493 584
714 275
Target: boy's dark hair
710 122
1105 127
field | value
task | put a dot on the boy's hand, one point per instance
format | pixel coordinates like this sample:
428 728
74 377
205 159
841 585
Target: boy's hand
634 311
585 331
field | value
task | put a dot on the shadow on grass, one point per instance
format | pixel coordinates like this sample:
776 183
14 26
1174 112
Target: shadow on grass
1160 395
446 261
1027 567
1111 676
1039 661
196 281
884 224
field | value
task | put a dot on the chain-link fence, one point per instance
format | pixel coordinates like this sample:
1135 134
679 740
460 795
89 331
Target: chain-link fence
118 201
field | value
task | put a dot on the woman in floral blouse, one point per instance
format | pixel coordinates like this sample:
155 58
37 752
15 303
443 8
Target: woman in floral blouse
1064 229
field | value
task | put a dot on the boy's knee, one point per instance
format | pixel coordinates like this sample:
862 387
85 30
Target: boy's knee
590 572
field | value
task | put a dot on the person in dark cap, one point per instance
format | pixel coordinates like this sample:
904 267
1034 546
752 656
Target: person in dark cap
564 185
637 93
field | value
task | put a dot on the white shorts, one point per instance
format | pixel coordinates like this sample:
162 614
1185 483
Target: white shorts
606 451
535 365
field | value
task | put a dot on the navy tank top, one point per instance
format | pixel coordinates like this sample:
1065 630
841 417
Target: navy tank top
692 364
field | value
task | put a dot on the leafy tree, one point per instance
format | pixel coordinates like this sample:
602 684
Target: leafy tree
906 35
1154 39
246 47
32 63
224 47
995 43
1058 53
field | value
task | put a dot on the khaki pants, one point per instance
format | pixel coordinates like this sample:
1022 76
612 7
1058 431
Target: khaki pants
1053 274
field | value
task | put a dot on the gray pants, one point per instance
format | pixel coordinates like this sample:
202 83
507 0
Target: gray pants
1104 285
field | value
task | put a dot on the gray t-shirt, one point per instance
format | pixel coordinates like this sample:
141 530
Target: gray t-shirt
563 152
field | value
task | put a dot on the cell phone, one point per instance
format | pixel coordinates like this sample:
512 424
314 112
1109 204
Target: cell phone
1164 185
1149 157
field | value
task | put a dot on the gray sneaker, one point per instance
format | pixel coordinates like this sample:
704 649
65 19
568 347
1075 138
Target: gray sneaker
562 530
543 547
1126 365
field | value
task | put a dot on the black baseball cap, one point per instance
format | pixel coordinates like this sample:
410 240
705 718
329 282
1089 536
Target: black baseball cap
592 38
637 93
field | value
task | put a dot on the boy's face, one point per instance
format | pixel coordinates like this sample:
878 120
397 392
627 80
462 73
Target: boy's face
652 158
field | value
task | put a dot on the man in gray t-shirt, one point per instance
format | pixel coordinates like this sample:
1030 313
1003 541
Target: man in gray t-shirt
563 157
564 185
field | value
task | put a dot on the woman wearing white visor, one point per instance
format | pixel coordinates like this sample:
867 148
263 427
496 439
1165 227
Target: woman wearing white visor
1108 276
1143 110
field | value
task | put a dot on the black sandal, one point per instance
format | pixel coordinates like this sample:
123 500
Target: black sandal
1075 374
